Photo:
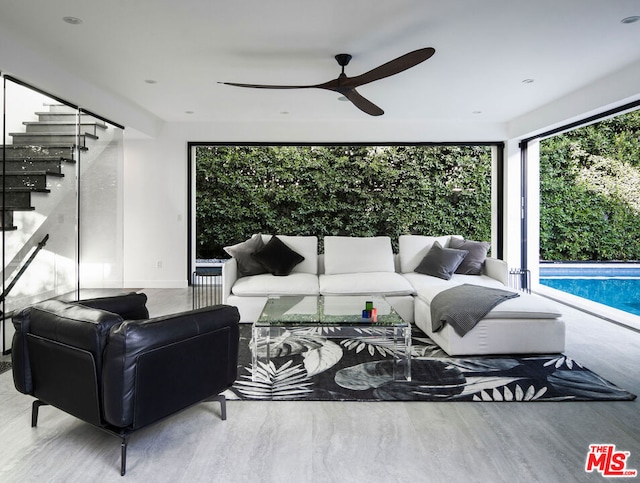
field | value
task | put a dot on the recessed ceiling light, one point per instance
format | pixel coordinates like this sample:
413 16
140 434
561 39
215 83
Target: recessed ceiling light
284 113
633 19
72 20
527 81
188 112
151 81
476 112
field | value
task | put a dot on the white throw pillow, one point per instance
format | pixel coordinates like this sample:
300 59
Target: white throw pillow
346 254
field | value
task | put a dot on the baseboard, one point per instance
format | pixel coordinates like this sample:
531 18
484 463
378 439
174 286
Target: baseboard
157 283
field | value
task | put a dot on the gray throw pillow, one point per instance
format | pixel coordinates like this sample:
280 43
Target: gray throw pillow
441 262
247 265
277 258
473 262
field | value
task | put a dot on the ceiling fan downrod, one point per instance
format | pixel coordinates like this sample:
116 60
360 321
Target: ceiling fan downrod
343 60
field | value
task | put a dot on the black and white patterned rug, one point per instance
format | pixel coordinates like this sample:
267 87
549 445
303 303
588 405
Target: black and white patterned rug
5 366
312 367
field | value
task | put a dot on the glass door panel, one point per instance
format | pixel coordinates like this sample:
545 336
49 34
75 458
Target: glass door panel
39 207
101 198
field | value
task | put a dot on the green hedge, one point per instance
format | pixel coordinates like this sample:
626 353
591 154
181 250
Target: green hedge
589 192
340 190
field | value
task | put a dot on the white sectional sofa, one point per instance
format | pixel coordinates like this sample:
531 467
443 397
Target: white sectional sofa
367 265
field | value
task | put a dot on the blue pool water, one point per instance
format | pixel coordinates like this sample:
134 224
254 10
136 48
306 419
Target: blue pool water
616 287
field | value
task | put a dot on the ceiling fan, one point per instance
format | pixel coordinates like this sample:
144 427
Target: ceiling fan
347 85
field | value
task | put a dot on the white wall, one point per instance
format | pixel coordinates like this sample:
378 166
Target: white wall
155 212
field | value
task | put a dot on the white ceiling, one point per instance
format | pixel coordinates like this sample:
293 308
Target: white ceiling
484 51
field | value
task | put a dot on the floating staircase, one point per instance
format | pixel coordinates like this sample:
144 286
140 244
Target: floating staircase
39 153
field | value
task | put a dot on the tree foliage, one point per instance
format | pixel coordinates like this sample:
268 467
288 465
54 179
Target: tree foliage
340 190
590 192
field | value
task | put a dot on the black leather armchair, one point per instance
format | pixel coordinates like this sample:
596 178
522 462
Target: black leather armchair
104 361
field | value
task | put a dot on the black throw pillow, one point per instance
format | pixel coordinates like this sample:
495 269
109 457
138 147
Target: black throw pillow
276 257
441 262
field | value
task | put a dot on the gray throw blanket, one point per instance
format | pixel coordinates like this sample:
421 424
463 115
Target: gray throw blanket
465 305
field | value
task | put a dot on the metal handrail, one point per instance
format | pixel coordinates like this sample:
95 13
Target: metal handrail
6 291
24 267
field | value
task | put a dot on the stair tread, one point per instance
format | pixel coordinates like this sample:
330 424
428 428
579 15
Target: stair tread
33 173
22 189
25 134
65 123
19 208
44 159
48 146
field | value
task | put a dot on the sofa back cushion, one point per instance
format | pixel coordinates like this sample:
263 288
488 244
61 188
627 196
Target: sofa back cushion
307 246
413 248
345 254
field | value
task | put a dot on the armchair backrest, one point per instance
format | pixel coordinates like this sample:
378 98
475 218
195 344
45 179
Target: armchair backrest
59 350
109 372
131 306
156 367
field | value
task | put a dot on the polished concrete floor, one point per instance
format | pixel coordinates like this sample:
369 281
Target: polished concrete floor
339 441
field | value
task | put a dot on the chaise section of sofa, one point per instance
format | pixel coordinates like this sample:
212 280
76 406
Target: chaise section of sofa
526 324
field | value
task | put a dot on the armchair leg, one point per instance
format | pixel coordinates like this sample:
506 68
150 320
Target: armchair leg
223 405
34 411
123 456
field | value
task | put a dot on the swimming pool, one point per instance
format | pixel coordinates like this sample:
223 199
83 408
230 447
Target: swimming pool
617 287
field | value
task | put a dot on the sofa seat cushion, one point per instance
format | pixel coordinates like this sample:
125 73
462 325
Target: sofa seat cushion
420 281
526 306
384 283
496 336
267 284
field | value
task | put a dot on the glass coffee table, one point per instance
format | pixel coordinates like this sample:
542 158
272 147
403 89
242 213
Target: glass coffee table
331 316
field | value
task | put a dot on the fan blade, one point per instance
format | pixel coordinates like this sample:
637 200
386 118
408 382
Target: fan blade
361 103
392 67
262 86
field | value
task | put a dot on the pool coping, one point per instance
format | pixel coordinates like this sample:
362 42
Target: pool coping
589 269
610 314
